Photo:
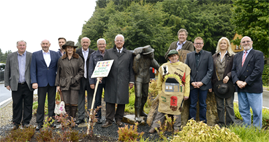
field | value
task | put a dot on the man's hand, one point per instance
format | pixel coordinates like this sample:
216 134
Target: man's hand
35 86
186 98
226 79
131 85
92 86
199 84
194 84
100 79
210 90
58 89
8 88
241 84
138 56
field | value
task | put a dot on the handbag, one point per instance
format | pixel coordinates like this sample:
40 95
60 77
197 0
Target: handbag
60 107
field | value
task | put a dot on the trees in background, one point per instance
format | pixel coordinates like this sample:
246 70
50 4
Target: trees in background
3 56
156 22
251 18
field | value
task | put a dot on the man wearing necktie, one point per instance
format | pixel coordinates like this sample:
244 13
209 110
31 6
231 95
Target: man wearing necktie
43 74
247 77
84 52
120 78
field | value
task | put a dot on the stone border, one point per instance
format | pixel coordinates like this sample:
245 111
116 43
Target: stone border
6 102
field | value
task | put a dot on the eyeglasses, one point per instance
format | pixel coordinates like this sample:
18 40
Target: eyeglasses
198 43
248 41
101 44
119 40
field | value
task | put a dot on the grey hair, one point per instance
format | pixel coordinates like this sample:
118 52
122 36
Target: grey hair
182 30
21 41
244 37
119 35
101 39
85 38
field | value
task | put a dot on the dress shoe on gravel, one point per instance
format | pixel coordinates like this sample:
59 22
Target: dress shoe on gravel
120 124
80 121
15 126
152 130
99 121
107 124
39 126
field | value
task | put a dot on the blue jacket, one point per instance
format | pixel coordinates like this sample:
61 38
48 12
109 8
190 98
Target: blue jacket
40 73
95 57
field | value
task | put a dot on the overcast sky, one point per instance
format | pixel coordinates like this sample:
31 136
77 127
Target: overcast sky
35 20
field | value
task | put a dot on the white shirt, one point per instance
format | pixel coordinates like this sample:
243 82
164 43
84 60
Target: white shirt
223 56
179 46
47 58
85 55
119 50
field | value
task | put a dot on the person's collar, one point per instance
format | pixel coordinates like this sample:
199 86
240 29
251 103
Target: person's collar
22 53
178 43
101 52
45 52
85 50
248 50
224 54
119 49
201 51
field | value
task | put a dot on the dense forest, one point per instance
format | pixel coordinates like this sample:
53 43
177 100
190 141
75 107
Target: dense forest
156 22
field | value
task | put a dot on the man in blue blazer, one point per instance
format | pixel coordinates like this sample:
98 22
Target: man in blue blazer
43 73
201 64
247 77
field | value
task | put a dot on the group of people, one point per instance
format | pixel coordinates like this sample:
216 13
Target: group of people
223 73
69 71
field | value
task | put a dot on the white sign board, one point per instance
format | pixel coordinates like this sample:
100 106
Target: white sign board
102 68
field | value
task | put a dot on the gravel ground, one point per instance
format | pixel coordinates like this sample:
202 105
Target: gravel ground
6 125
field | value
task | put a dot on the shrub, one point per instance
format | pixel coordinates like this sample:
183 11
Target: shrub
265 75
129 134
201 132
19 135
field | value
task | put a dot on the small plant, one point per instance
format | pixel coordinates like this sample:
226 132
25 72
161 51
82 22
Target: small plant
166 126
46 133
129 134
201 132
93 120
19 135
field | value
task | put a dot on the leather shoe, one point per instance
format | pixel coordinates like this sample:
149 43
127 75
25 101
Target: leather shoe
38 127
99 121
152 130
120 124
80 121
107 124
15 126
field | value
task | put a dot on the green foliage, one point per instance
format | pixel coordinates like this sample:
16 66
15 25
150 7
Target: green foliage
250 134
19 135
265 75
251 18
201 132
127 134
3 56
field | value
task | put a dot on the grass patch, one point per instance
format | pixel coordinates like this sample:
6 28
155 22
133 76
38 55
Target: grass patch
250 134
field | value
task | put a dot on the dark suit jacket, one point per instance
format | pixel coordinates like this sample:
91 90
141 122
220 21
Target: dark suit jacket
12 71
40 73
79 52
204 71
251 72
187 46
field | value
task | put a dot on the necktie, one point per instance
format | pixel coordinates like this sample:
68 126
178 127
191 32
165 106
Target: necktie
119 50
244 58
85 66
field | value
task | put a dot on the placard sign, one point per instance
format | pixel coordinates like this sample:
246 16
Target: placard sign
102 68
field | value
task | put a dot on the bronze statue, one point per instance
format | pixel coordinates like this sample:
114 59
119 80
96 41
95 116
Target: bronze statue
143 60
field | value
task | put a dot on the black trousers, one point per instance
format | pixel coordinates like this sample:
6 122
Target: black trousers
111 112
42 91
22 103
84 85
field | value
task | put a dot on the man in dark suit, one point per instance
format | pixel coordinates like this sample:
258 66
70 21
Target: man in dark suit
61 42
120 78
247 77
201 64
182 42
43 73
84 53
17 78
